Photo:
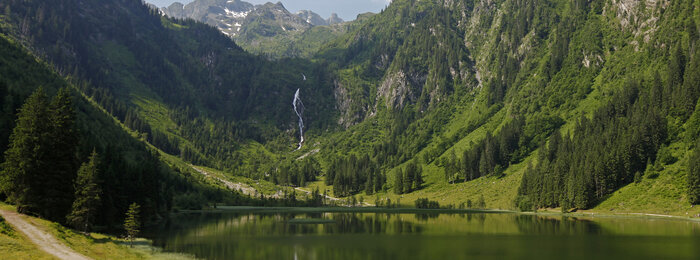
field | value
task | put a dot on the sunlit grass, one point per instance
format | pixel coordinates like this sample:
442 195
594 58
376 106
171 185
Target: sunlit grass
15 245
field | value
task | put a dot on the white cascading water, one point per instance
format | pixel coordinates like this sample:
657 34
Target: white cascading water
299 109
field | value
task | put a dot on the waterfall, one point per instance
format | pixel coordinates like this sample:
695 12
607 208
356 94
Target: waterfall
299 110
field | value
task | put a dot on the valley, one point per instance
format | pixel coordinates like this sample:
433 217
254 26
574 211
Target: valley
569 109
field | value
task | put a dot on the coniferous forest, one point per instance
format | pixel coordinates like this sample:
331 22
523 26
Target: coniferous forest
508 104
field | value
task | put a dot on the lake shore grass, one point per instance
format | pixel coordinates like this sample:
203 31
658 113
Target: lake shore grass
343 209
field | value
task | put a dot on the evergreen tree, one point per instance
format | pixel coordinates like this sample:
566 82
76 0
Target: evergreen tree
481 203
419 177
398 181
132 223
451 167
23 172
691 88
408 178
62 158
694 176
87 195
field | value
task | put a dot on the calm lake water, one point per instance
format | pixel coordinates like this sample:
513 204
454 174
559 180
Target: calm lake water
282 234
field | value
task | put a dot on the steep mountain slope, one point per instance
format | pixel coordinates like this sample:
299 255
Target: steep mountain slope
490 81
129 171
166 79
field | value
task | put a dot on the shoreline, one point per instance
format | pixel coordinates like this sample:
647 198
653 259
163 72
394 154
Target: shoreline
589 214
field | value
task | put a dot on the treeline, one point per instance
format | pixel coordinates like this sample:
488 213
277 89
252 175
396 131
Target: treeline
289 198
40 167
40 164
42 176
603 153
50 140
129 117
225 91
409 133
492 155
425 203
694 176
409 178
352 175
297 172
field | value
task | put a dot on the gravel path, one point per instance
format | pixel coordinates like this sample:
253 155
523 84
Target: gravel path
42 239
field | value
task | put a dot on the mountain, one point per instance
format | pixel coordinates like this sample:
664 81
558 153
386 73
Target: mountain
129 171
334 19
270 20
163 80
520 104
312 18
268 28
316 20
226 15
474 90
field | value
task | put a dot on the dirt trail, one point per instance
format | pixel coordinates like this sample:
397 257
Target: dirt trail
42 239
333 198
248 190
238 186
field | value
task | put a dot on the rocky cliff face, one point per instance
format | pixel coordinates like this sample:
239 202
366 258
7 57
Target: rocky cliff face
334 19
270 19
254 26
226 15
311 18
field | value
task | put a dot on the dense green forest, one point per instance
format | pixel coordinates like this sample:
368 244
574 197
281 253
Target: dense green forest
526 78
47 139
560 103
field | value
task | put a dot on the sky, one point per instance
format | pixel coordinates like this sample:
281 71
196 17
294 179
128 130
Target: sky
346 9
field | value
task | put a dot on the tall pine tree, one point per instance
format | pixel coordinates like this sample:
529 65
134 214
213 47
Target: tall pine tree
62 159
25 163
39 166
694 176
398 181
87 195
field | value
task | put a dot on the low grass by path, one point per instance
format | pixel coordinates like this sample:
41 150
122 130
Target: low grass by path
14 245
44 240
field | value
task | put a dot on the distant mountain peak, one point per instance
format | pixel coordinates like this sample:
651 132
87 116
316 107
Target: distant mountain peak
256 27
334 19
311 18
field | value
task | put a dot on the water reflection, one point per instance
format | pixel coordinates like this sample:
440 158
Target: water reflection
557 226
347 235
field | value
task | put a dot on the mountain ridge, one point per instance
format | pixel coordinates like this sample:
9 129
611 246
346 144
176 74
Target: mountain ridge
257 28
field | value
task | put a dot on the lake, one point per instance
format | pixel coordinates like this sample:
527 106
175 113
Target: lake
250 233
